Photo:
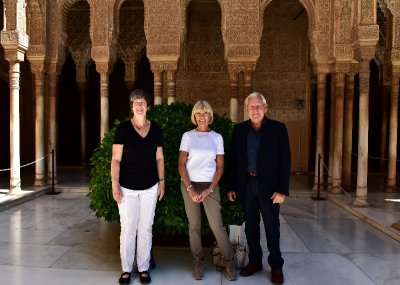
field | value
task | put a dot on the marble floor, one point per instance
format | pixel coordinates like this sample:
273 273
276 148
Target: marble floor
56 239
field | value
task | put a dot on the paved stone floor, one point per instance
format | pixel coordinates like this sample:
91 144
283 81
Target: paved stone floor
56 239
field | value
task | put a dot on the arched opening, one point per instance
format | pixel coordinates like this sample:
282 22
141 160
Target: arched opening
283 74
202 70
69 101
68 106
128 72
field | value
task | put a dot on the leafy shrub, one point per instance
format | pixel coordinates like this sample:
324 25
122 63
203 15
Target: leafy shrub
170 219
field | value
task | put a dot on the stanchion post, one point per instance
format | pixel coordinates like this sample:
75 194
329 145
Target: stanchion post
318 180
52 171
53 192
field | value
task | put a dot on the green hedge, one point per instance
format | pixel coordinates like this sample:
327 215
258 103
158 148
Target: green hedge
170 219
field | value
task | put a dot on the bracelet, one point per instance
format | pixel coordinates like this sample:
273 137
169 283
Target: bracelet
161 179
114 179
211 190
188 188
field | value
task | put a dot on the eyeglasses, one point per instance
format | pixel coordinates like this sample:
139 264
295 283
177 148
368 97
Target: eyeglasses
256 107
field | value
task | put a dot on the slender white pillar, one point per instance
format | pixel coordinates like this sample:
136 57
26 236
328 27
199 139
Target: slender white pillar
394 109
15 162
320 132
38 73
363 128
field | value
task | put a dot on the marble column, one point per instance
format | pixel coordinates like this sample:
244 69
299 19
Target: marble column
234 92
15 161
82 97
363 128
393 125
38 75
247 89
331 131
384 125
338 130
158 86
171 85
348 130
102 69
320 132
53 72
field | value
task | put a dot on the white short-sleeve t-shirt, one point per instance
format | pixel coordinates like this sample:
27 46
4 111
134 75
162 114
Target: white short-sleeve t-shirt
202 149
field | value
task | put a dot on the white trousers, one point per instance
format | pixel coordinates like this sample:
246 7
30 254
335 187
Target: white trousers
136 211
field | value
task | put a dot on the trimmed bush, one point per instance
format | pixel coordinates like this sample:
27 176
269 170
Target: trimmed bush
170 219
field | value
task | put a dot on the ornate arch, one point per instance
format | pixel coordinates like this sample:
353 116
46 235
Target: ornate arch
308 5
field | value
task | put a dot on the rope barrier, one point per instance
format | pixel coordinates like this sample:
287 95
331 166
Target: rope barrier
375 157
30 163
340 187
18 185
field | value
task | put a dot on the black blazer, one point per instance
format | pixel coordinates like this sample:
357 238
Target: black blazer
273 163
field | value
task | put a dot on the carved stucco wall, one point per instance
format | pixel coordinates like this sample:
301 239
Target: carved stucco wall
131 43
282 72
78 38
202 70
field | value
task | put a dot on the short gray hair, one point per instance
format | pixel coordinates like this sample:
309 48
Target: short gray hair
253 95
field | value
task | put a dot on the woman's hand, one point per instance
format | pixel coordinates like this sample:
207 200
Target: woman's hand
193 195
117 193
203 195
161 190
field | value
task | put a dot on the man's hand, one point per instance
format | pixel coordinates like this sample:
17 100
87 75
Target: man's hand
232 196
278 198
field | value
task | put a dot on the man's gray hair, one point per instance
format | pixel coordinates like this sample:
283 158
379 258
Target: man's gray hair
255 94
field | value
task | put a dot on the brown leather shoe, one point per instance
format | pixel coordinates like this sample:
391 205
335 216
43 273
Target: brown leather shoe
276 276
250 269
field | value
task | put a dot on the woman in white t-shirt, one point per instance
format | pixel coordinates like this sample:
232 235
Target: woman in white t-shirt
201 165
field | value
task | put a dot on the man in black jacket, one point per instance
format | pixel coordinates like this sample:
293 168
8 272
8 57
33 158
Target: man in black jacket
259 177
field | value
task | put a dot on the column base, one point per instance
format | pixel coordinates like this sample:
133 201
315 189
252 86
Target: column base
39 181
396 226
334 190
361 202
15 191
157 100
390 186
321 187
170 100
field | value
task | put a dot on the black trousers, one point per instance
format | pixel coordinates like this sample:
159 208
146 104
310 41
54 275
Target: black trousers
254 204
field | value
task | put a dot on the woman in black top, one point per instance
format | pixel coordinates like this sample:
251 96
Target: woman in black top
137 175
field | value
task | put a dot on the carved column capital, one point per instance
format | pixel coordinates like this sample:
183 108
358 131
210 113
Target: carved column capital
37 66
244 66
80 73
102 68
14 56
342 67
156 66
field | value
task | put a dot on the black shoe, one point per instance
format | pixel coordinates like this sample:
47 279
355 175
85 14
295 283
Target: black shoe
125 278
276 276
250 269
144 277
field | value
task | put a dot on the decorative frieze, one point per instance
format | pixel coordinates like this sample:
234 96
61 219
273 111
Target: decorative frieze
167 52
343 52
368 32
100 52
247 51
367 12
